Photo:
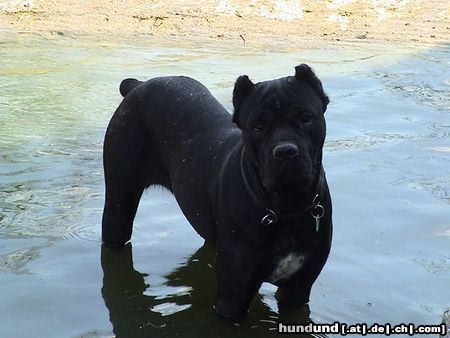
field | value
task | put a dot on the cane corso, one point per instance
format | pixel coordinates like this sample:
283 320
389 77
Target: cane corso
251 183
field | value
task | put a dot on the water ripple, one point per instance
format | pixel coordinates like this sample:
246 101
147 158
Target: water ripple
365 140
438 185
424 78
439 266
16 261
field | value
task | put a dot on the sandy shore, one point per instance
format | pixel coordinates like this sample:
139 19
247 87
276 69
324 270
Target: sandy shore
414 22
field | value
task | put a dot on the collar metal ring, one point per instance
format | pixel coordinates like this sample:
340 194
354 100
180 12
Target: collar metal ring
269 218
318 211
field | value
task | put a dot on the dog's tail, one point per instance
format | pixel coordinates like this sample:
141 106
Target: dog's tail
128 85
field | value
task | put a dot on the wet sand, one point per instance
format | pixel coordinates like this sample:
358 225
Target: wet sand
414 23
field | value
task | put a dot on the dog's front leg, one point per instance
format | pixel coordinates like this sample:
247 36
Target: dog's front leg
295 293
237 283
296 290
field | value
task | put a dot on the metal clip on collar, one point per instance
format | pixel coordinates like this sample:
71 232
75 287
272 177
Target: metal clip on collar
269 218
317 211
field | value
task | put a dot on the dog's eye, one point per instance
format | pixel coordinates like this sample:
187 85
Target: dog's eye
258 127
305 117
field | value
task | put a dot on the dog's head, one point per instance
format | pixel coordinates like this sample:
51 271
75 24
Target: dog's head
283 127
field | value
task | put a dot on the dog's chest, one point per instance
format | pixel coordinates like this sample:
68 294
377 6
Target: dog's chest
286 267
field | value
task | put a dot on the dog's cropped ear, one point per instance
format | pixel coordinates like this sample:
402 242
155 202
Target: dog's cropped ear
242 88
304 73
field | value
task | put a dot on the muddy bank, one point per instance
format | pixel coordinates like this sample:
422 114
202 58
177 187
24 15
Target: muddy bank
412 22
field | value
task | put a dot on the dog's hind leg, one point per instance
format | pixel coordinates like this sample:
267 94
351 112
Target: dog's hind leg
127 155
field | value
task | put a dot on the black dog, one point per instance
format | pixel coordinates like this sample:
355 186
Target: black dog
256 189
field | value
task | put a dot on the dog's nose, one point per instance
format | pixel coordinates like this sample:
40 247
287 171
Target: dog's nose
285 151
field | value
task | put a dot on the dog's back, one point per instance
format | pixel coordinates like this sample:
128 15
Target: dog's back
153 139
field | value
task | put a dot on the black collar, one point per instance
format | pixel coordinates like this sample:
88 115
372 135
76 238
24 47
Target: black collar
270 216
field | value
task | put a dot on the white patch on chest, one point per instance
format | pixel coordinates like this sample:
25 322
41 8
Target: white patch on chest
287 266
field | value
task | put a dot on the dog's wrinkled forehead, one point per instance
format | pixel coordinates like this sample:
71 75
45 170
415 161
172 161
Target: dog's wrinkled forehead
280 95
303 92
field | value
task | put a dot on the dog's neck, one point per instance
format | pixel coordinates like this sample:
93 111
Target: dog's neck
288 202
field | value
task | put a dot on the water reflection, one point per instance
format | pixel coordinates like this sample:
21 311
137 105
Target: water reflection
137 311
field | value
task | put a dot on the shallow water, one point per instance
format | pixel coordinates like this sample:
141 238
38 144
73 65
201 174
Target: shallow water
387 159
